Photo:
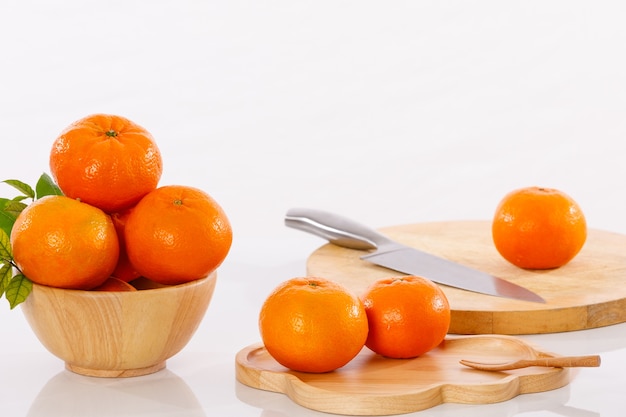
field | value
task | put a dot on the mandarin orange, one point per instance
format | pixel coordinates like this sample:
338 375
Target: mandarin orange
538 228
177 234
106 161
61 242
114 284
124 270
407 316
312 325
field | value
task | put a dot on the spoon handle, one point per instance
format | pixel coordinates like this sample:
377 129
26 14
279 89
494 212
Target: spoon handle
568 361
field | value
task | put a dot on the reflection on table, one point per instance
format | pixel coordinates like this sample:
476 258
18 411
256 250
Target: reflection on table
68 395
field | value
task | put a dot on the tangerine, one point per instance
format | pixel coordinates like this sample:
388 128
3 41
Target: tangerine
106 161
177 234
538 228
312 325
408 316
124 270
61 242
114 284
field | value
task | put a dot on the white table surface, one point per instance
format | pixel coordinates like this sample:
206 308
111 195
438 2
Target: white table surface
388 112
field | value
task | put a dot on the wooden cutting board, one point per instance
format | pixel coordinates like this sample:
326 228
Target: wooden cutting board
373 385
588 292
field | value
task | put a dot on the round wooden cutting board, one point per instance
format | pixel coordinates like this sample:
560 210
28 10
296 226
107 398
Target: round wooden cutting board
588 292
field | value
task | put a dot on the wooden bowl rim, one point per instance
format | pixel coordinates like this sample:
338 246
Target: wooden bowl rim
115 294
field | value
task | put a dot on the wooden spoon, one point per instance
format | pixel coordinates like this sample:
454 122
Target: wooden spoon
556 362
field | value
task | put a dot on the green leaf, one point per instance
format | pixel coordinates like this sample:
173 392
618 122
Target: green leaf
22 187
19 198
5 247
6 218
46 186
5 277
14 207
9 210
18 290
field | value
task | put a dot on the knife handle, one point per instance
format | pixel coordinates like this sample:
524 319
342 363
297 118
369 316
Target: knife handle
336 229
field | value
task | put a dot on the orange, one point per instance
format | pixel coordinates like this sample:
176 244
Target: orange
61 242
177 234
114 284
408 316
106 161
312 325
124 270
538 228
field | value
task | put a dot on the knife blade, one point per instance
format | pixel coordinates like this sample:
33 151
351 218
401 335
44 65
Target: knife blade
387 253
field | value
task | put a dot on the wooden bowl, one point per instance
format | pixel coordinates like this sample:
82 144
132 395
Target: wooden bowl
117 334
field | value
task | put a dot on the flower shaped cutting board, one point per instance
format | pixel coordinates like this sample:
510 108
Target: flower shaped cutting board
374 385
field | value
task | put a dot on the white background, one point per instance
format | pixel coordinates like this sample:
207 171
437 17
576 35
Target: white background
387 112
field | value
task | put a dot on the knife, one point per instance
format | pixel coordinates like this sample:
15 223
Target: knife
347 233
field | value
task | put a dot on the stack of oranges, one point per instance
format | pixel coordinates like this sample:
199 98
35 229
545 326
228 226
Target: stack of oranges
112 223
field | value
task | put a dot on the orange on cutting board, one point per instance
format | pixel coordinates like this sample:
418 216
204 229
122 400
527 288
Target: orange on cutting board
538 228
312 325
177 234
106 161
407 316
61 242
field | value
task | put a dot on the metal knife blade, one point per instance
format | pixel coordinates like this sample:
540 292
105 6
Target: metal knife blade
393 255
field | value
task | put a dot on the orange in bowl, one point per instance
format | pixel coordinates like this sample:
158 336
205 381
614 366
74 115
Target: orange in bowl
62 242
176 234
107 161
